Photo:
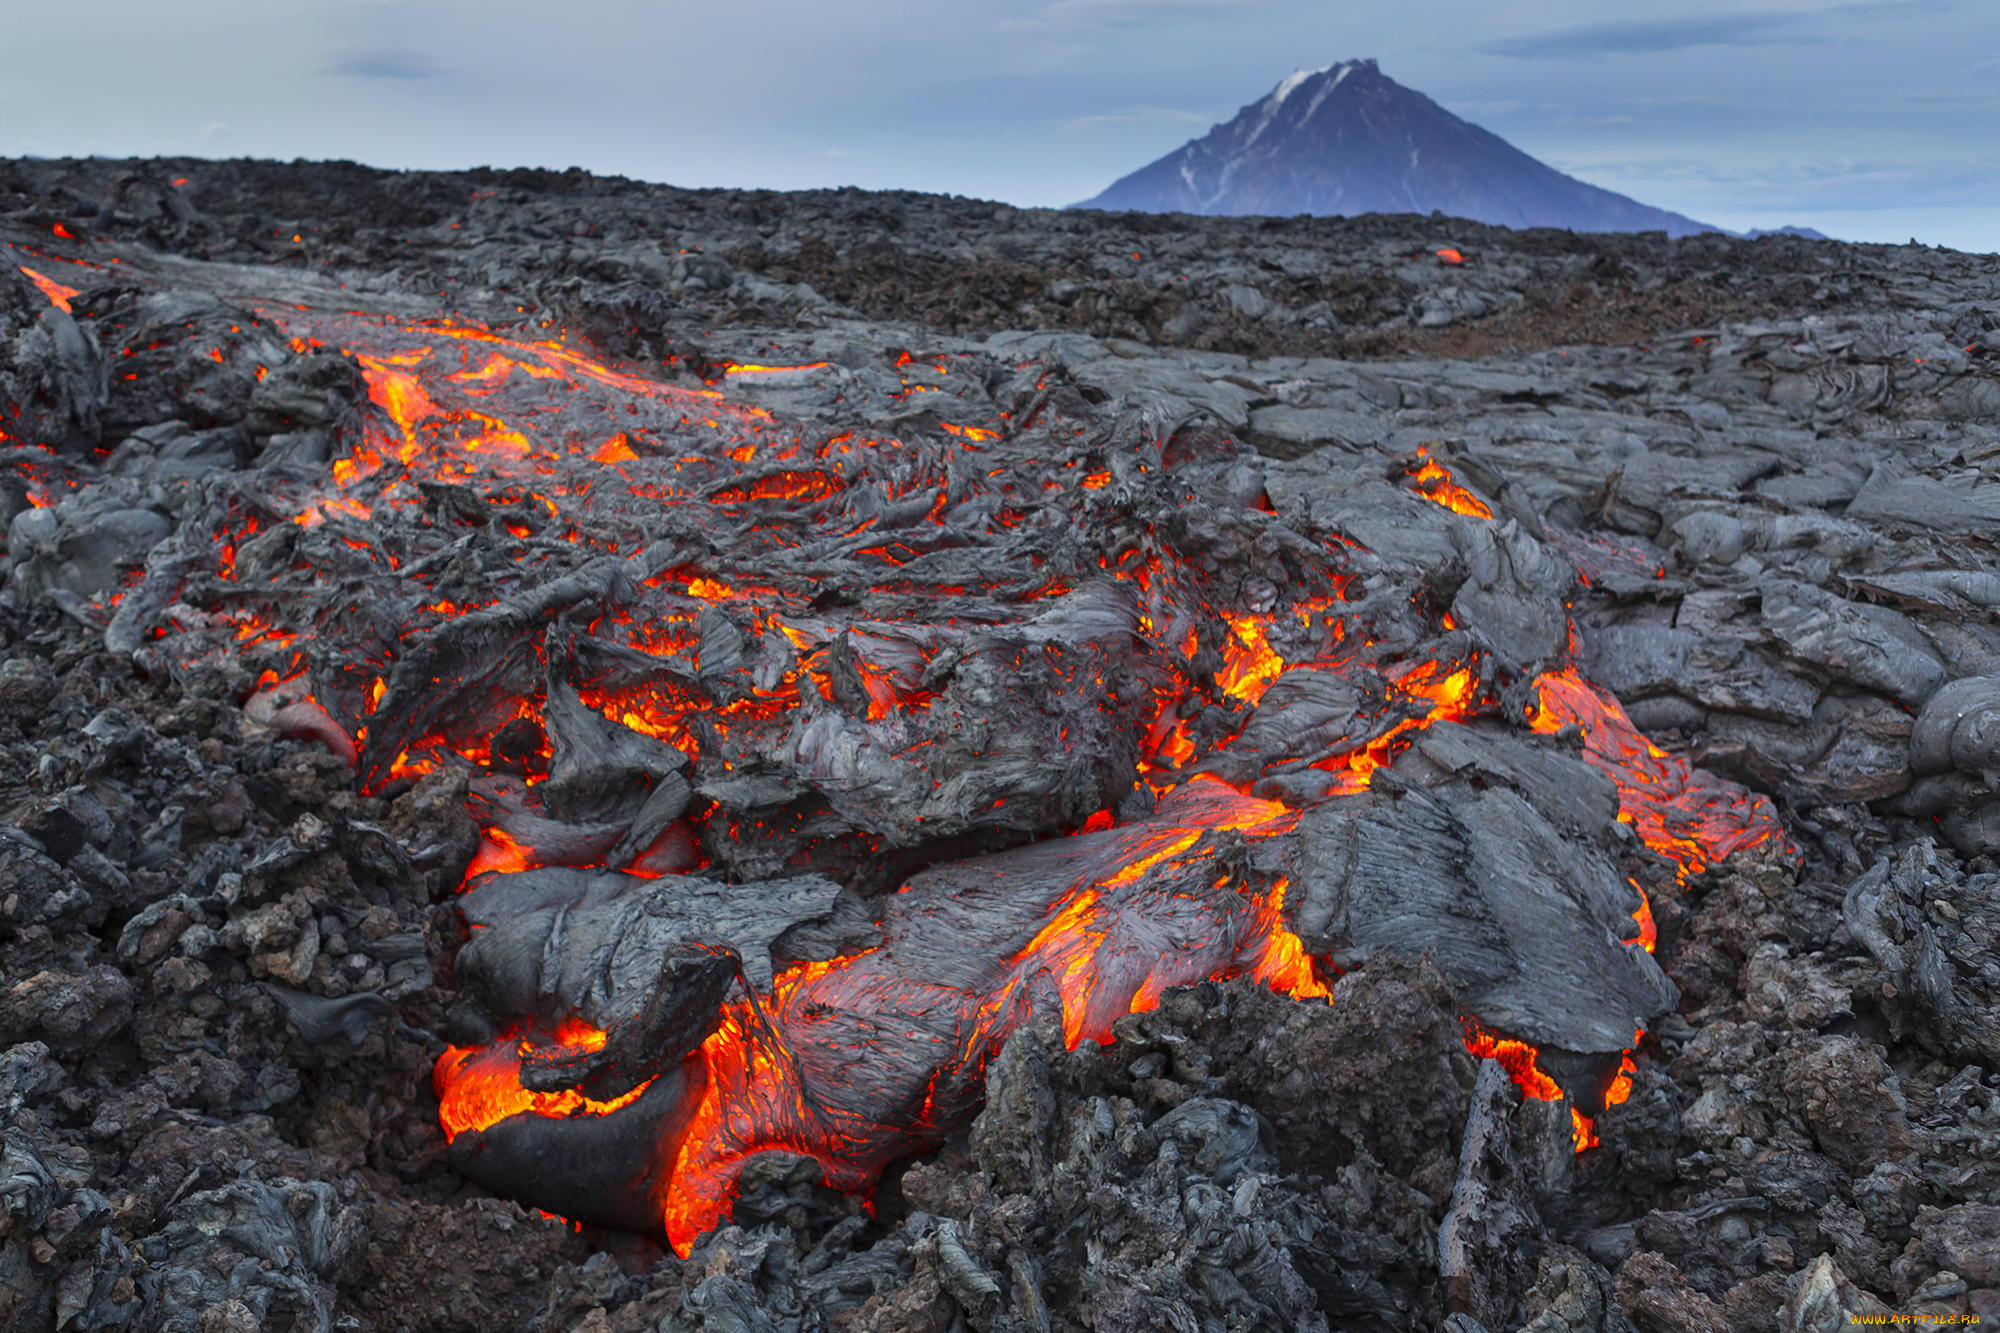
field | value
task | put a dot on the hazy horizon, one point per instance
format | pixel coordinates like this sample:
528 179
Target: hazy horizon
1851 118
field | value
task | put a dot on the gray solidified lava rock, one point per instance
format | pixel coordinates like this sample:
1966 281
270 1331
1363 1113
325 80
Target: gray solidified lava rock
1760 472
1483 883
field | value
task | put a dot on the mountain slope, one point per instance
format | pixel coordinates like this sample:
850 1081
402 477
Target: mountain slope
1348 139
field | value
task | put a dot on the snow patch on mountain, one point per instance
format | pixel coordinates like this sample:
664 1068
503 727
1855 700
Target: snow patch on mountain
1290 83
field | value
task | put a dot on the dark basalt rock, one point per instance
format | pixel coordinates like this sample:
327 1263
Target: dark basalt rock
646 961
1524 922
1930 926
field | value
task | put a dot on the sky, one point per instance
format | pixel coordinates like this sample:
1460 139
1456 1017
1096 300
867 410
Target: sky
1876 120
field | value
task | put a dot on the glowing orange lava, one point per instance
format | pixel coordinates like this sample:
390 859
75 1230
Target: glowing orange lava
1252 664
480 1086
1686 814
499 852
1437 484
59 295
1522 1063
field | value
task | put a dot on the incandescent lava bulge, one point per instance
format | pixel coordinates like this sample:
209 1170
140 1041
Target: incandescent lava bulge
810 762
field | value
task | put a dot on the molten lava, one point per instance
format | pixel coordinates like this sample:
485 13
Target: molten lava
776 1074
1434 482
482 1085
717 654
1686 814
59 295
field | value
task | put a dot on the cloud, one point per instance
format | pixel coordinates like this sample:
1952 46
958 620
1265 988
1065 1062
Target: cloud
1122 13
1135 115
1539 113
1864 184
1757 27
1952 99
1492 106
1700 102
386 65
1509 106
1582 40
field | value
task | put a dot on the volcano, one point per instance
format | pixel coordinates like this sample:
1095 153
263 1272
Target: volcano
553 735
1348 139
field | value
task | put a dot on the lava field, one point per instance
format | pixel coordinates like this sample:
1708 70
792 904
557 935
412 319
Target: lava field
585 755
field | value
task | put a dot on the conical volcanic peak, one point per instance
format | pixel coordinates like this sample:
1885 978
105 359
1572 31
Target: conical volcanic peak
1347 139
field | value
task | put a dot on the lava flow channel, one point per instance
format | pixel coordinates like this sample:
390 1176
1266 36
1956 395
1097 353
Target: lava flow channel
858 1060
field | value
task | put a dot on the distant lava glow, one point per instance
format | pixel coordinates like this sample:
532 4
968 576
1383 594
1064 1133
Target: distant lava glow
550 449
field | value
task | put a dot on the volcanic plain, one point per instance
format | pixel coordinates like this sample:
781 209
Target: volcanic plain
582 754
